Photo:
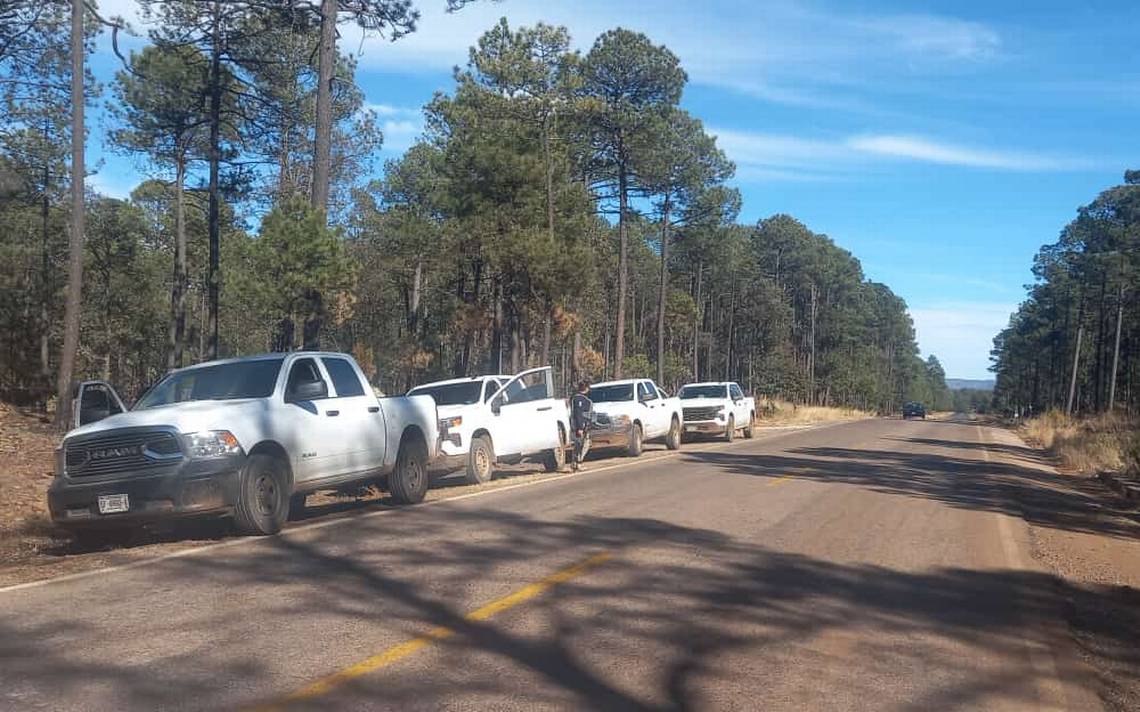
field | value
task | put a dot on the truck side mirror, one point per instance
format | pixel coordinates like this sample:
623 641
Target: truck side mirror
308 390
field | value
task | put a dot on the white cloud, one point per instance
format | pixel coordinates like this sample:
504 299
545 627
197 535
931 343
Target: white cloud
961 334
935 36
112 184
399 135
929 151
830 157
387 110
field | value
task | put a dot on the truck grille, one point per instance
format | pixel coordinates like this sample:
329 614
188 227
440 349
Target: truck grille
703 413
123 451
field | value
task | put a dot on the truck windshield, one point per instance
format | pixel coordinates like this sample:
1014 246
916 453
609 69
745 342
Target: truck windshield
703 392
464 393
612 394
224 381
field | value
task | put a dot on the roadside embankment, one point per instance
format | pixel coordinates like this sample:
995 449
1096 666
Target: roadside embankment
773 412
1087 445
1106 446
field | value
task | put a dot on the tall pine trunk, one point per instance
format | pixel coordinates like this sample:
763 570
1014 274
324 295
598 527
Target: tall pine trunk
213 217
697 323
322 154
661 293
623 270
45 282
75 247
177 332
322 145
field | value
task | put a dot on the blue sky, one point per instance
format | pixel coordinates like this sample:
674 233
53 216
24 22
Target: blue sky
940 142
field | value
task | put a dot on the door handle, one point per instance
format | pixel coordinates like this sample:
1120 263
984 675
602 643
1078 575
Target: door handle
373 409
546 407
332 413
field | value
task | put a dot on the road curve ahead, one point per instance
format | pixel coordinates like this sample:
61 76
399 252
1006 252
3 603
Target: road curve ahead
871 565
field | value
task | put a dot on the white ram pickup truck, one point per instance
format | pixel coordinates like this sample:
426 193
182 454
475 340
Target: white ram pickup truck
248 437
640 404
717 408
493 418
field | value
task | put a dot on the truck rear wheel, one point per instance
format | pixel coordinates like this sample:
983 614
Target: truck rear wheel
673 438
750 429
636 441
263 496
409 482
730 430
480 460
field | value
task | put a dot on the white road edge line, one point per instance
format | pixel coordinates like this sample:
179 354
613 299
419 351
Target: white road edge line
352 517
1048 683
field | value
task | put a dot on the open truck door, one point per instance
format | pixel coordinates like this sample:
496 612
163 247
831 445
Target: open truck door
94 401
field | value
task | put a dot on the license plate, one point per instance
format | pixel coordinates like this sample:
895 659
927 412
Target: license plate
114 503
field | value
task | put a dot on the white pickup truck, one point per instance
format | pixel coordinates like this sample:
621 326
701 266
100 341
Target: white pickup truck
492 418
249 437
638 402
719 408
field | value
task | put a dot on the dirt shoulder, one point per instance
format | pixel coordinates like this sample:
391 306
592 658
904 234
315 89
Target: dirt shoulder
1089 538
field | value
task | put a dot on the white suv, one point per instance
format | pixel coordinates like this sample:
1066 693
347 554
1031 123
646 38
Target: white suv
719 408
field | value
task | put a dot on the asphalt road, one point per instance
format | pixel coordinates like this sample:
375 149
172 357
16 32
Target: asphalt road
870 565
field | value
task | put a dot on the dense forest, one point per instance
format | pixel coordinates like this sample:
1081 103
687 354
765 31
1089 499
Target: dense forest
560 208
1074 343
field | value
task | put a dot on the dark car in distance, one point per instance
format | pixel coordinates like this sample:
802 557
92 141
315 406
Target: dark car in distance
914 410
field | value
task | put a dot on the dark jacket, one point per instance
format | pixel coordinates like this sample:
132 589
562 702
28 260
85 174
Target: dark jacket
581 411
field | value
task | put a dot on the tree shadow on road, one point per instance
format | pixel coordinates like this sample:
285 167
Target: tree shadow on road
1018 489
681 618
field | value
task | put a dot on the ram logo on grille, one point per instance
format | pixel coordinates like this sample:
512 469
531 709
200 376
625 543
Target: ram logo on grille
109 452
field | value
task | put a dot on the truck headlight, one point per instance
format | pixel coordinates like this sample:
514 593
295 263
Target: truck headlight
720 412
450 423
212 443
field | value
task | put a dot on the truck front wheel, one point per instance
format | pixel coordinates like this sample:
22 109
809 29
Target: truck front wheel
480 460
636 441
673 439
750 429
730 429
409 482
263 496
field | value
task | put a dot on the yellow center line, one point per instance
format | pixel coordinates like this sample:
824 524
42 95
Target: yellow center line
403 650
780 481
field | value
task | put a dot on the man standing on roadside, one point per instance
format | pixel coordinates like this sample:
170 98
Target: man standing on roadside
581 416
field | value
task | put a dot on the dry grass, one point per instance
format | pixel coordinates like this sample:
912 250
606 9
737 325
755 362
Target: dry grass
1087 445
783 413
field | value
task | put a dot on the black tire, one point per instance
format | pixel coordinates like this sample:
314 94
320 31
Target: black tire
297 505
408 483
750 429
554 460
636 441
263 496
730 429
480 460
673 437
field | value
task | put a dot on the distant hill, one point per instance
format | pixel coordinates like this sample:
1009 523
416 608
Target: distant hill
977 385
